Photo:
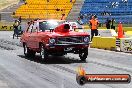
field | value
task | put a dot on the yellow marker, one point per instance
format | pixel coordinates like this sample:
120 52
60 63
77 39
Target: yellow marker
81 71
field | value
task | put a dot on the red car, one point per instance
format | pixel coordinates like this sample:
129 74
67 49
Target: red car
52 37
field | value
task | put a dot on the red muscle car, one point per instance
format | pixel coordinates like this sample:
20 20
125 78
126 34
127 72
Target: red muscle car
52 37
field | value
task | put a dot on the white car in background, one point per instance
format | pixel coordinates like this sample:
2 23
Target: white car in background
76 26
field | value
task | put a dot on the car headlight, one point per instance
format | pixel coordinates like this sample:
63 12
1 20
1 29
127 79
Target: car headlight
86 39
52 41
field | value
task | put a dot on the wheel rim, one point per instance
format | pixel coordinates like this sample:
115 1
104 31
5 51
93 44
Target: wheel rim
25 49
82 54
42 53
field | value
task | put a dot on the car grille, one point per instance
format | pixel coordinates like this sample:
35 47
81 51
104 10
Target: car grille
69 40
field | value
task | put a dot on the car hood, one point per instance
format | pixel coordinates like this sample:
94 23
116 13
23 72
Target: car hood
71 33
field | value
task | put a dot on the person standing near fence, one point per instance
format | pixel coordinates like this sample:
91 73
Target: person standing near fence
15 27
113 23
63 17
20 19
108 22
93 23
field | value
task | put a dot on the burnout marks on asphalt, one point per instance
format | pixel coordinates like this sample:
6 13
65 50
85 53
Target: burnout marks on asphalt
6 48
7 45
9 42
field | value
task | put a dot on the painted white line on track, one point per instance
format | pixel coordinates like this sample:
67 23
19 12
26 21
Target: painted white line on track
3 84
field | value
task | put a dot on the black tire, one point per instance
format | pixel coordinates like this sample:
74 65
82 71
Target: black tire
43 53
83 54
28 52
81 80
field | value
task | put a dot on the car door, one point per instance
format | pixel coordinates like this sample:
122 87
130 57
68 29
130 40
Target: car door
33 36
26 35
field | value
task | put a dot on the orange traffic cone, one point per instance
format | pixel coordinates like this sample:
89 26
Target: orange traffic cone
120 31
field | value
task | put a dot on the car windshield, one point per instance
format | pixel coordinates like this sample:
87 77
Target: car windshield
49 25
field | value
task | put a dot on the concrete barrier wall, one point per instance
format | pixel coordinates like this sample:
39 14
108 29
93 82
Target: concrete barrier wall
6 28
126 44
104 42
107 33
128 34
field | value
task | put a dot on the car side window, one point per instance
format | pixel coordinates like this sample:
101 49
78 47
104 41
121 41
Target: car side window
33 27
42 26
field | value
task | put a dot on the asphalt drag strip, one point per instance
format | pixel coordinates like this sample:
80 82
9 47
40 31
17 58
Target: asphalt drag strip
18 71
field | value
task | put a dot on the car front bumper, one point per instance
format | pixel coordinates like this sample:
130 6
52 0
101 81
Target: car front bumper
67 48
75 45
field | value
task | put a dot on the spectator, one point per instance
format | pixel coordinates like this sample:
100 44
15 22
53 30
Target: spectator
13 13
57 9
28 26
33 26
63 17
93 23
108 22
113 24
81 16
20 31
79 21
20 19
15 27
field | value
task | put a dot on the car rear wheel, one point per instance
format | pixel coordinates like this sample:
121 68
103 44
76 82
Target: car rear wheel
83 54
28 52
43 53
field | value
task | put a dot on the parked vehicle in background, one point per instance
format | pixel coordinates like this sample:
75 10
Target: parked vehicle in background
53 37
76 25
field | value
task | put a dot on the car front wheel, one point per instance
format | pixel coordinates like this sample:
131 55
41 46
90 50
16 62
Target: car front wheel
28 52
83 54
43 53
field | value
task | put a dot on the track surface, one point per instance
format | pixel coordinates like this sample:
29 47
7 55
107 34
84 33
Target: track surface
17 71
